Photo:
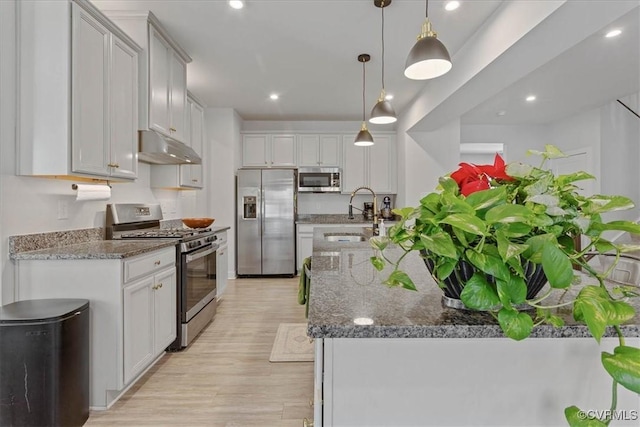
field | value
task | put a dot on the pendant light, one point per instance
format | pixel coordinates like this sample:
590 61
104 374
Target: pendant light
428 58
363 138
382 112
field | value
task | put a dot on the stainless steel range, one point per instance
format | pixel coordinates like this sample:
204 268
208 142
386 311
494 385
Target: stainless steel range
195 263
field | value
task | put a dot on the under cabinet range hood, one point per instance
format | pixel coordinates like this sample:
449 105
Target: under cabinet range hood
162 150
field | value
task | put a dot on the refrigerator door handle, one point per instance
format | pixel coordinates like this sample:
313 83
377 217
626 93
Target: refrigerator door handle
262 211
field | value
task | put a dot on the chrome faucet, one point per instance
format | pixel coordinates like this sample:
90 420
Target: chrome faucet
375 207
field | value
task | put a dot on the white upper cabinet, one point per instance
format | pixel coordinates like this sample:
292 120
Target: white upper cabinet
319 150
159 74
185 176
78 92
191 175
163 74
374 166
266 150
178 98
124 110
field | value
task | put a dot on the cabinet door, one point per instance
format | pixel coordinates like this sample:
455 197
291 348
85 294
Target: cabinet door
178 97
354 172
222 270
165 317
138 327
308 150
382 167
159 59
330 147
90 100
305 244
283 150
254 150
191 175
124 110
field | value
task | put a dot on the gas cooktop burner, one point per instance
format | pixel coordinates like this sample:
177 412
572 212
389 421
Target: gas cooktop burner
165 233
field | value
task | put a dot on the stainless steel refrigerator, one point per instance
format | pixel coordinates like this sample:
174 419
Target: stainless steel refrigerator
266 215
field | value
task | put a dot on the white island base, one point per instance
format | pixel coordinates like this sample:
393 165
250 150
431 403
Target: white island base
464 382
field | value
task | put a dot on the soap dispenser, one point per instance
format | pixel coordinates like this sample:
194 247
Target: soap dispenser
382 231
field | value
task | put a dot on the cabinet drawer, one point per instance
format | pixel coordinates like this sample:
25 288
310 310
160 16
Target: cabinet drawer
222 238
146 264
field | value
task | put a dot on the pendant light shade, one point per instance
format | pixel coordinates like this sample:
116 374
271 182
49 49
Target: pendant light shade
428 58
363 138
382 113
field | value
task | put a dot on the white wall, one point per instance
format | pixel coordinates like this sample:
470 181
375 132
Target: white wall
620 152
223 142
516 139
610 132
426 156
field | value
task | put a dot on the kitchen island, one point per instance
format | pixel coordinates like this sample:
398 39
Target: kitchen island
390 356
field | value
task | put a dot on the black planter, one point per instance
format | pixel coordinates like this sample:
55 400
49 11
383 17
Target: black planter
453 285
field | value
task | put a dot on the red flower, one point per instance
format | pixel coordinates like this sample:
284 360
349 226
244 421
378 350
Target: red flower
472 178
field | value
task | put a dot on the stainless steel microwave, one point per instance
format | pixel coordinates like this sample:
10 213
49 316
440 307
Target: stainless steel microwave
319 180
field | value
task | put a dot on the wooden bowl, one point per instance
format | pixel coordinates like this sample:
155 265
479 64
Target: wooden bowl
197 222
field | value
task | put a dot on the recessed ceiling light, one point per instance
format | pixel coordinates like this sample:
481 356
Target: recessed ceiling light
452 5
388 97
530 98
613 33
501 113
236 4
274 96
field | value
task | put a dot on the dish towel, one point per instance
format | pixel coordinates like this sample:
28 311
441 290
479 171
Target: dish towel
303 290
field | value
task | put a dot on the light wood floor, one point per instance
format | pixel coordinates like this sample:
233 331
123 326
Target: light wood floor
225 378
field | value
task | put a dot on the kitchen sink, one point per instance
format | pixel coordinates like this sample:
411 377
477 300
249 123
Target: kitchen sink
344 237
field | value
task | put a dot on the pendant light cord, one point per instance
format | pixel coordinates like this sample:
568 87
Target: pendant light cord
382 44
426 8
363 89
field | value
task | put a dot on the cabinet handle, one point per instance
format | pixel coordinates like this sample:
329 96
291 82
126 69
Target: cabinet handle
154 287
266 163
113 165
194 180
311 403
307 423
160 285
157 262
172 129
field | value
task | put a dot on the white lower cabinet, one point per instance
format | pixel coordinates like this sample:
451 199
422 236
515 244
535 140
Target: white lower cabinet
222 265
147 328
132 306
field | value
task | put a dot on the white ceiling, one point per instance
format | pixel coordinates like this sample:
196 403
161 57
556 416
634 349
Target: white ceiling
588 75
306 50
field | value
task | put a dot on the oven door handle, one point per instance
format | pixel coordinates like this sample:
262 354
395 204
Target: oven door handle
201 253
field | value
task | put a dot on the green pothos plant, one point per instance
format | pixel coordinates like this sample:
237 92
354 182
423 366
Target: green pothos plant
495 217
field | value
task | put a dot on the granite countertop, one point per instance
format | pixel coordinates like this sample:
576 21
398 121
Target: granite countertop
220 229
87 244
99 249
334 219
346 287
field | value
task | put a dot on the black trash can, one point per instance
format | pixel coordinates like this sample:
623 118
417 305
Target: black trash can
44 363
